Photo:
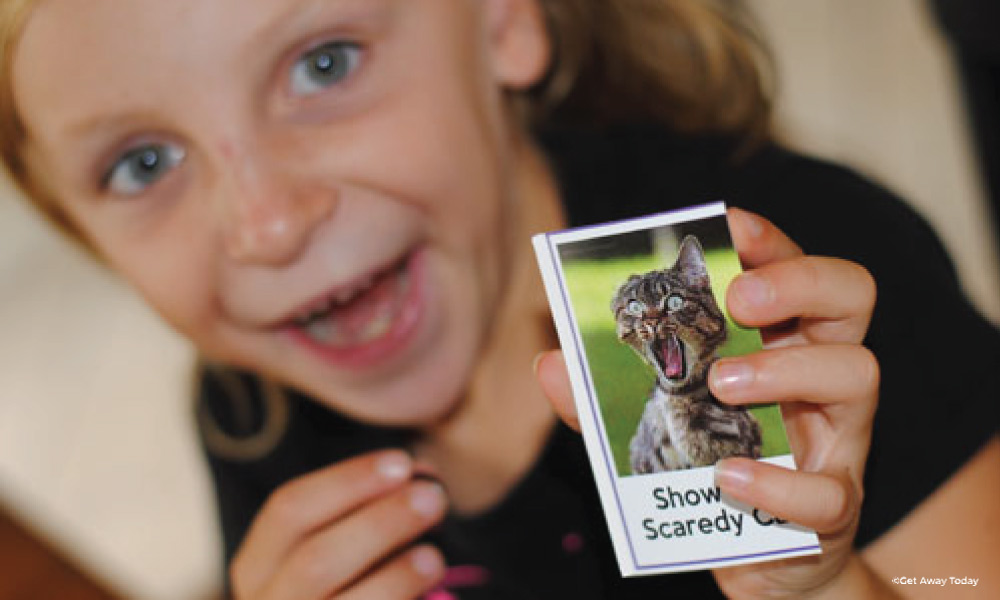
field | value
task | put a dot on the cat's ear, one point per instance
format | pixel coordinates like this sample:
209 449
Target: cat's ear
691 262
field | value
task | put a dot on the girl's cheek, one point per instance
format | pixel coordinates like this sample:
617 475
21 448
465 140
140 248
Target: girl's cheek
174 273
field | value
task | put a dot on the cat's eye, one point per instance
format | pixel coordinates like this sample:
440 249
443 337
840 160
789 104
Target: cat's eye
675 302
141 167
324 66
636 308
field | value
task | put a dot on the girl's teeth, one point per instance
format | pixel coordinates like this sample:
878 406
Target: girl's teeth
321 330
325 330
378 327
323 325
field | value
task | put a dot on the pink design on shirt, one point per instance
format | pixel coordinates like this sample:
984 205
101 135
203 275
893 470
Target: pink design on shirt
457 577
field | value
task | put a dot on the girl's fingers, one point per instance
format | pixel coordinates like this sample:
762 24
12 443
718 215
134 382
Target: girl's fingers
409 575
332 559
821 374
826 503
757 241
832 298
550 368
306 504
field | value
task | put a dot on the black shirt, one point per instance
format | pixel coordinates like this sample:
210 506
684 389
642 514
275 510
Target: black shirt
548 538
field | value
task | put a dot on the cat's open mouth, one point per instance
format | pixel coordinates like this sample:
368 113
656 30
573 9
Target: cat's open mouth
669 354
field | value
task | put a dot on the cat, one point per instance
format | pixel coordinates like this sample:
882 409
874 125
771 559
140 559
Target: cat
671 320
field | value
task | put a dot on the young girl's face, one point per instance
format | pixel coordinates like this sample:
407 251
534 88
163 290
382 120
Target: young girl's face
318 189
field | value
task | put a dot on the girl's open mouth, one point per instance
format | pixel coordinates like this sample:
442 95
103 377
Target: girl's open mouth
369 321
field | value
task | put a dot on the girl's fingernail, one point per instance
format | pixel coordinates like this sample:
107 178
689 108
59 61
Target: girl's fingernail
427 499
731 375
395 465
754 289
753 224
534 363
733 475
427 561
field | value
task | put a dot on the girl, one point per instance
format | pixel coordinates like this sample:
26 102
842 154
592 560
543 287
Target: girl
337 195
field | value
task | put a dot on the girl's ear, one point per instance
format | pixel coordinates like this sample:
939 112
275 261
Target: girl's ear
519 40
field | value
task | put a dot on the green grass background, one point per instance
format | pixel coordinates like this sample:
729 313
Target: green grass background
622 380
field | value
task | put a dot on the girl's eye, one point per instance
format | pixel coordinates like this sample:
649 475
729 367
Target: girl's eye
141 167
675 302
635 307
324 66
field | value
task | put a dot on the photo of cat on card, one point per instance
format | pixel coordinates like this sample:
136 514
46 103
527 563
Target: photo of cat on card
648 356
672 321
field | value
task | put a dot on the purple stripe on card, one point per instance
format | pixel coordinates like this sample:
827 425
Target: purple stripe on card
708 561
679 215
590 393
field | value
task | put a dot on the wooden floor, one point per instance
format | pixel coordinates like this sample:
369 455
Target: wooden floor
32 569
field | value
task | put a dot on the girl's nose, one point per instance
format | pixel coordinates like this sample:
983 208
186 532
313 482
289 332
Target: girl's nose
269 216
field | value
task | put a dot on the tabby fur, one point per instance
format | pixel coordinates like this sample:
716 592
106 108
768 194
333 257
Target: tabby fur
670 319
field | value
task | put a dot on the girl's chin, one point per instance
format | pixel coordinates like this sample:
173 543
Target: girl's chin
412 400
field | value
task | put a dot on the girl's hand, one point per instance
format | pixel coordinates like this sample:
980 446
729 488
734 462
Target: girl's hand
813 314
341 532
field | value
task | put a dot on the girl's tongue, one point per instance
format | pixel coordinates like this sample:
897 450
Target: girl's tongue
366 317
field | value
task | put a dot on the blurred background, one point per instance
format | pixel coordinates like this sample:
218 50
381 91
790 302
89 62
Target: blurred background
98 458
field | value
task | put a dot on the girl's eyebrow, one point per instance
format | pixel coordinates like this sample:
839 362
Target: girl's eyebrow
305 13
296 14
87 126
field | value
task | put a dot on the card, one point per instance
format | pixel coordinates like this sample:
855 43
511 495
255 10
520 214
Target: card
639 306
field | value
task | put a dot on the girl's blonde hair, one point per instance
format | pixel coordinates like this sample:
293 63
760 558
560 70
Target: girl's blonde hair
694 65
13 135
